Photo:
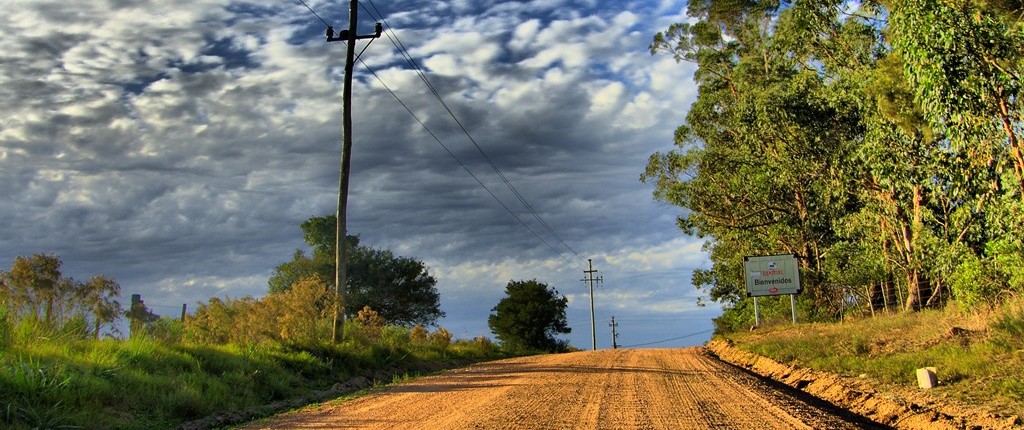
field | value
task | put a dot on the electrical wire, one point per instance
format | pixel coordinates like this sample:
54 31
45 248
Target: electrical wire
393 37
396 41
457 160
314 13
668 340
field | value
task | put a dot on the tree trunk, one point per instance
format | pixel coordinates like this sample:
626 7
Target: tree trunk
936 297
913 290
1015 150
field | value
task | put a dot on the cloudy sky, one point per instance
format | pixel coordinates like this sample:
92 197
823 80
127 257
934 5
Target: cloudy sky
177 146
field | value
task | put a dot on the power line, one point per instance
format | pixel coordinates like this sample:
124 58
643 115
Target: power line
314 13
393 37
396 41
457 160
669 340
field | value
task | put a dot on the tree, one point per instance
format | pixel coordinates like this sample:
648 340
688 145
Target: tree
529 316
33 288
300 267
139 318
759 162
36 289
99 295
881 144
965 65
399 288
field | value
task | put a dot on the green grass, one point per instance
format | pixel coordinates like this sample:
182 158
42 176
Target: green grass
59 382
983 366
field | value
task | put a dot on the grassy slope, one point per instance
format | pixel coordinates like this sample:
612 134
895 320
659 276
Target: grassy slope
142 384
979 356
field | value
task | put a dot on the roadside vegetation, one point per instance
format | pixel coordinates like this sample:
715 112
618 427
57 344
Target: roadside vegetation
882 144
979 357
57 378
64 364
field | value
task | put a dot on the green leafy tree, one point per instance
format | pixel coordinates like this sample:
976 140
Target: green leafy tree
34 288
99 295
300 267
965 65
758 164
881 145
530 316
399 288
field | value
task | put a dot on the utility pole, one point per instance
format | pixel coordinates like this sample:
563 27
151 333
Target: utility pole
341 230
590 279
615 335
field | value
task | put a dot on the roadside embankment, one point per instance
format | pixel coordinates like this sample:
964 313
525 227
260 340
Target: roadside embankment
896 407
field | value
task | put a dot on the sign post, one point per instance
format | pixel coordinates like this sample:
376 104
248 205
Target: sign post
772 275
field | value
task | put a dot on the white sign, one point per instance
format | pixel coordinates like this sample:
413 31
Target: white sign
772 275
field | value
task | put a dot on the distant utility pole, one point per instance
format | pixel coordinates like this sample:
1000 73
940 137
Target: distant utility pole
340 276
615 335
590 279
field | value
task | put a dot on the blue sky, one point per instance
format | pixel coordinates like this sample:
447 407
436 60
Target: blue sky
178 146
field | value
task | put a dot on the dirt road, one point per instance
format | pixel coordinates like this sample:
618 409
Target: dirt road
611 389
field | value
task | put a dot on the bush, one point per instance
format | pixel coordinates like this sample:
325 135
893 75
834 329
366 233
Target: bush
301 315
371 322
394 336
984 281
418 335
484 345
166 330
440 338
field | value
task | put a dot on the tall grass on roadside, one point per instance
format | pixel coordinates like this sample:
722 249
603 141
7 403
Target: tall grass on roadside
32 396
1008 335
5 328
978 355
1008 325
60 381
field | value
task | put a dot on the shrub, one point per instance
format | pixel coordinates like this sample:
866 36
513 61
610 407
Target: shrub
304 313
166 330
394 336
484 345
418 335
371 323
440 338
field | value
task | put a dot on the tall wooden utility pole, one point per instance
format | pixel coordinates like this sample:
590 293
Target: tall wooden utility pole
590 279
341 230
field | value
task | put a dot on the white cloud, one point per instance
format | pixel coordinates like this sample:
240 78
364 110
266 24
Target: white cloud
524 35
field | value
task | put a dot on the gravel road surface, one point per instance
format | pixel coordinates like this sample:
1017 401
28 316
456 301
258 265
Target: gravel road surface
609 389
